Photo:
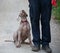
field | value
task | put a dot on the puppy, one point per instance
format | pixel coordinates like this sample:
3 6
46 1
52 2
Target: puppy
23 31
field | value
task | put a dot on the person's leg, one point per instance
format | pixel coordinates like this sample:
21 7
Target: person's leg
45 21
34 17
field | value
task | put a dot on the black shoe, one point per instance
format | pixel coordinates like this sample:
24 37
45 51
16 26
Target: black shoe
47 49
35 48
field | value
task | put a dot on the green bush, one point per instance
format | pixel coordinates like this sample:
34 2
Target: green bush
56 11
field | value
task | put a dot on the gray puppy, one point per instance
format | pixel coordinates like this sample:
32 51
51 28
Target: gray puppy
23 32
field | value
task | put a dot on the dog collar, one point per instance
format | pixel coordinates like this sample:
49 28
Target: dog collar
24 21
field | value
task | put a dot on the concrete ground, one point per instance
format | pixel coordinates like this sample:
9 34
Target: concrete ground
9 11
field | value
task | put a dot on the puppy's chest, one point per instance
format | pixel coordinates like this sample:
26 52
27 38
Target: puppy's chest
25 27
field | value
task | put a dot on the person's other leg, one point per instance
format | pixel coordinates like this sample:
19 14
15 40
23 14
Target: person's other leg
45 21
46 8
34 17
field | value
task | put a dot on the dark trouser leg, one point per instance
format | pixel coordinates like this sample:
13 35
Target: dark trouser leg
45 21
34 17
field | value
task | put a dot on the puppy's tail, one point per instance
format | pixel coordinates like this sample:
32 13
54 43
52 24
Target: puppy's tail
8 41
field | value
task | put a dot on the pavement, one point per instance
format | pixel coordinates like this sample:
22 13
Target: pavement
9 11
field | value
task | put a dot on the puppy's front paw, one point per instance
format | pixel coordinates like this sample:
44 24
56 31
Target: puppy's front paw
18 45
30 44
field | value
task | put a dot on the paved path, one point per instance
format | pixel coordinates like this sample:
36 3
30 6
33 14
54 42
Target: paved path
9 10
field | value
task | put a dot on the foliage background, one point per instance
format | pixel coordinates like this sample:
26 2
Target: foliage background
56 11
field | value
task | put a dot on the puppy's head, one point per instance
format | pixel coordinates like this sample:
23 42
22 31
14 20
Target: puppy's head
23 14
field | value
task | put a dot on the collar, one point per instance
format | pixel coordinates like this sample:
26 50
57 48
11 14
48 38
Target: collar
23 21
